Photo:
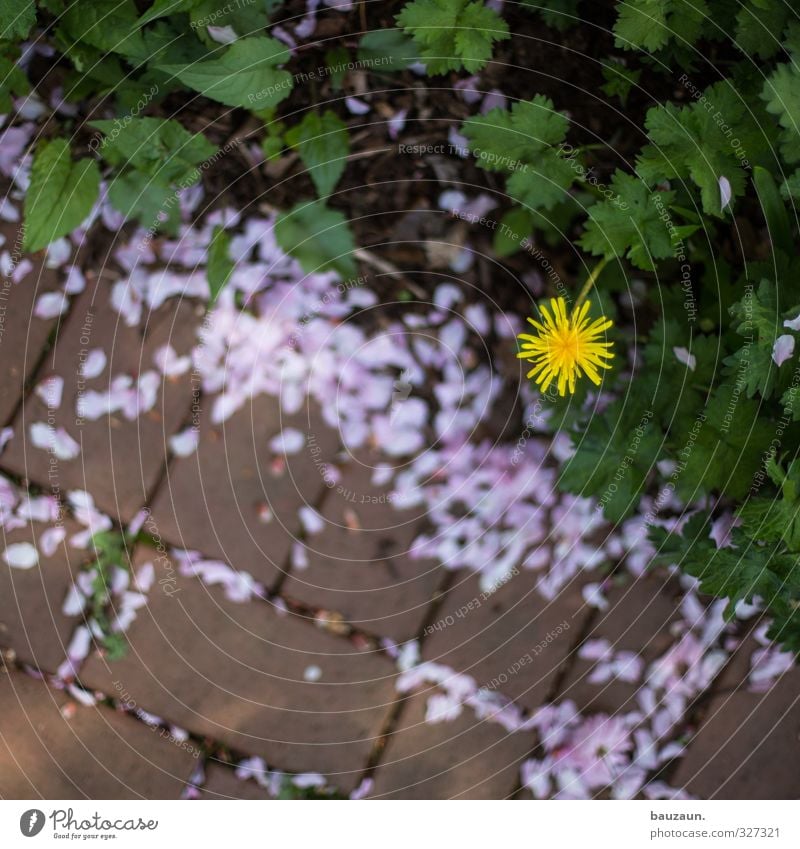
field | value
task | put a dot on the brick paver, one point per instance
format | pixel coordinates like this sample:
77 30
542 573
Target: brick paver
637 620
263 683
359 564
52 747
235 498
513 639
464 758
748 745
22 337
121 459
31 620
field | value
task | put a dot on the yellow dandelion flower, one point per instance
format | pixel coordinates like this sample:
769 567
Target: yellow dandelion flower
566 346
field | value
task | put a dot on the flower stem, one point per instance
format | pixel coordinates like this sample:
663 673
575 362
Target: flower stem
590 281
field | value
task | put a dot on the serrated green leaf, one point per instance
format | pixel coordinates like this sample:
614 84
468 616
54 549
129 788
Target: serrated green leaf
453 34
162 8
525 143
17 18
615 456
219 265
781 94
158 147
318 237
245 18
12 81
652 24
107 25
60 196
690 143
245 74
322 142
631 224
154 203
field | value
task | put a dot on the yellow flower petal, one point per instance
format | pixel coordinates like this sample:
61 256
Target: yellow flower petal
567 346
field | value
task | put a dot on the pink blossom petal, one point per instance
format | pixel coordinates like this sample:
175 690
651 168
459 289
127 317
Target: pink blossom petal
356 106
51 305
725 193
783 349
51 539
683 356
50 391
288 441
185 443
94 364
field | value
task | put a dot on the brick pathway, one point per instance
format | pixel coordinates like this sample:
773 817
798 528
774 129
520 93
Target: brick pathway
292 669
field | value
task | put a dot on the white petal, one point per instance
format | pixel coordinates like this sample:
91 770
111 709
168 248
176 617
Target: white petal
21 555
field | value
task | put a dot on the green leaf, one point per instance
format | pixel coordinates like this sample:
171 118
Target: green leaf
12 81
757 25
652 24
337 61
522 144
17 18
453 34
774 209
245 18
693 143
244 75
219 265
158 147
559 14
60 196
107 25
162 8
630 224
321 141
513 229
152 202
387 50
318 237
756 318
723 449
781 94
615 455
115 645
738 573
619 81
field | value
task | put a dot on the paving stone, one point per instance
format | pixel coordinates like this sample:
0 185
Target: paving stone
221 783
748 745
359 565
31 621
513 640
638 619
120 460
243 675
22 336
236 499
51 747
465 758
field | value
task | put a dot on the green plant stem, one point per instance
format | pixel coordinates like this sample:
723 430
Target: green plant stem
590 281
